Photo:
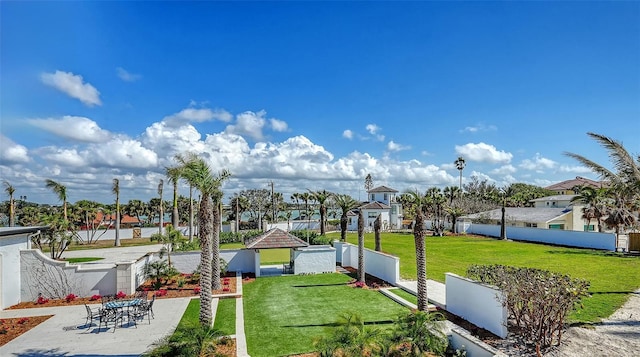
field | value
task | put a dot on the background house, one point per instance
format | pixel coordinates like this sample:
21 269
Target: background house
566 187
382 201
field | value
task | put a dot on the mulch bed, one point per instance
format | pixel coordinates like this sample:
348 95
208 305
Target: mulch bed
371 281
14 327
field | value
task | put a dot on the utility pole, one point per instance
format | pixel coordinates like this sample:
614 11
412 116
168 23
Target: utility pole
273 204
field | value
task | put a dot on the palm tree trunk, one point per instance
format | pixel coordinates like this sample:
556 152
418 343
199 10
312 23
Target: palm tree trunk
361 272
190 213
215 247
205 226
376 227
343 227
421 261
323 213
12 212
174 214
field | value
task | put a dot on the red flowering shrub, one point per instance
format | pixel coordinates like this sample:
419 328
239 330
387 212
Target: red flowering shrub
42 300
196 290
22 320
121 295
225 289
95 297
161 293
360 284
70 297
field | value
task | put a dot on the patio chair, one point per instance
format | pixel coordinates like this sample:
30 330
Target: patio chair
106 298
145 308
110 316
92 314
141 295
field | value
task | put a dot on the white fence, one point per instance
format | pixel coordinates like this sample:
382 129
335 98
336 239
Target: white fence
578 239
294 225
314 259
380 265
239 260
477 303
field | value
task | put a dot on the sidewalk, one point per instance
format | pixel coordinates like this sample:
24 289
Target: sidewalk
436 292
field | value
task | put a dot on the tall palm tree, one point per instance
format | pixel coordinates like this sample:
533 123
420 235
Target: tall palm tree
161 206
421 251
376 228
116 191
61 192
306 197
10 190
361 271
346 204
594 201
198 173
322 197
174 174
452 192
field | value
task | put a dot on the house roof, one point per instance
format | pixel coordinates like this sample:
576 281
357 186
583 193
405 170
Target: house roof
374 205
382 189
275 238
125 218
522 214
553 198
13 231
578 181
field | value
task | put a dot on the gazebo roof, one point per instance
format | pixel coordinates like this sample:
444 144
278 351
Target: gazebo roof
275 238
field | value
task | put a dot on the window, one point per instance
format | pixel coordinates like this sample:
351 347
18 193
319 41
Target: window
589 228
373 197
386 196
531 225
372 214
556 226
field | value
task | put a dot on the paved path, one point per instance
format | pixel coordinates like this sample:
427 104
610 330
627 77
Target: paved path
241 340
436 292
65 333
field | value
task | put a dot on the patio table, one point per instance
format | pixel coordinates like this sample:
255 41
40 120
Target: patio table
120 304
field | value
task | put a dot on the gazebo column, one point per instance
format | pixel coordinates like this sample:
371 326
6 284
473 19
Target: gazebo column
256 260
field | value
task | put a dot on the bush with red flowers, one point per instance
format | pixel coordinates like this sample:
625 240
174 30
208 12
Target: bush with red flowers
161 292
121 295
95 297
196 290
42 300
70 297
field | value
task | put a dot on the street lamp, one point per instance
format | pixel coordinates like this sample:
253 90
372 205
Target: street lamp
460 164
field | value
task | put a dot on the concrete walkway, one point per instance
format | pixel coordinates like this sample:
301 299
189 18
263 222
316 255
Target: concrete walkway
65 334
436 292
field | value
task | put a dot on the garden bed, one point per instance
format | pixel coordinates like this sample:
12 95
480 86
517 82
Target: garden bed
14 327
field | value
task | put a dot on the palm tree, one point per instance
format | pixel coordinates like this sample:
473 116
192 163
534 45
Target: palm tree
421 251
594 201
451 192
61 192
460 164
305 197
116 191
198 173
135 208
361 272
376 227
10 190
161 206
322 197
346 204
174 174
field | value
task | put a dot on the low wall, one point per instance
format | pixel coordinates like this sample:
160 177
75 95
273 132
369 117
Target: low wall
54 279
239 260
10 273
595 240
461 339
380 265
477 303
314 259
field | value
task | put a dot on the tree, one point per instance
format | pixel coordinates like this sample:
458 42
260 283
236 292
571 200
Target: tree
198 173
135 208
306 197
346 204
116 191
435 200
454 213
460 164
421 251
58 235
361 271
321 197
376 229
173 173
170 238
10 190
61 192
161 206
594 200
368 183
452 192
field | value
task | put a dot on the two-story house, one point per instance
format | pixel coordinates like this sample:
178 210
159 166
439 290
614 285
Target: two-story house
382 202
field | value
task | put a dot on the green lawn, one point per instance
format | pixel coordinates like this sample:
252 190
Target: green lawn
284 314
613 277
226 316
82 259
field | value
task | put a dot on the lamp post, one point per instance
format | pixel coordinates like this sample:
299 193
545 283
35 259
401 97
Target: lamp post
460 164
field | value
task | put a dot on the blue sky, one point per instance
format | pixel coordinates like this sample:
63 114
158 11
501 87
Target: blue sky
311 95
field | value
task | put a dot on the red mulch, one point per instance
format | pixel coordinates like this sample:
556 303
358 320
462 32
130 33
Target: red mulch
14 327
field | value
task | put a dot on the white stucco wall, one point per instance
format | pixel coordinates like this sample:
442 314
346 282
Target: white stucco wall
241 260
477 303
314 259
378 264
10 247
460 338
595 240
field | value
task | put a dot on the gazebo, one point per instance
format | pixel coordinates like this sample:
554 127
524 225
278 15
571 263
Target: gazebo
304 259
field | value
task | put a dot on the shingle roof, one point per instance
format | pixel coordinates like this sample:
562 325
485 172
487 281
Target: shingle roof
374 205
578 181
382 189
275 238
522 214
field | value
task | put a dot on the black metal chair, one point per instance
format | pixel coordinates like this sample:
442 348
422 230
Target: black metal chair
92 314
145 308
110 316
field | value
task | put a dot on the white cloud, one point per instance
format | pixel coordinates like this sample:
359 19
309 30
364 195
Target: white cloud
74 128
12 153
372 129
197 115
479 128
575 169
482 152
249 123
278 125
393 146
538 163
504 170
73 86
122 152
61 156
348 134
127 76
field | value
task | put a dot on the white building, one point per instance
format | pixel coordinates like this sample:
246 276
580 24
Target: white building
383 203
